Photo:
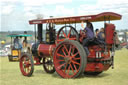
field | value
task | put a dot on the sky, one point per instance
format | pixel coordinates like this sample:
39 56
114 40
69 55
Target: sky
15 14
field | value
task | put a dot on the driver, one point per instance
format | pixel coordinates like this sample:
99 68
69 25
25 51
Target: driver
89 33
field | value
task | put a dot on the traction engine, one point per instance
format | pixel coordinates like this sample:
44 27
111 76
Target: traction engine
64 53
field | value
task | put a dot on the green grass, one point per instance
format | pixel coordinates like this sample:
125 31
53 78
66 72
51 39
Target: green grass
10 74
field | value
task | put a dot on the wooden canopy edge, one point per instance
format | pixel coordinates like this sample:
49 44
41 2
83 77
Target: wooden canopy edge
105 16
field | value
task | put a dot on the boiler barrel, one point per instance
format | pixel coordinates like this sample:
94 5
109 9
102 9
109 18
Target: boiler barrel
45 50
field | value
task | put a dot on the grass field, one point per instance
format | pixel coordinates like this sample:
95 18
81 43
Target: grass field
10 74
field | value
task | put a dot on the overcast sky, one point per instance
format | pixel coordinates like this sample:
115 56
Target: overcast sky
15 14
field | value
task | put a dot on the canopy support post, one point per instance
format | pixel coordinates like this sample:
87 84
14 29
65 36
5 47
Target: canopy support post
42 32
39 33
104 19
11 43
109 19
105 33
35 34
75 25
65 29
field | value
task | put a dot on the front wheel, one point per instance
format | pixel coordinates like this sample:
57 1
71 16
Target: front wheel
26 64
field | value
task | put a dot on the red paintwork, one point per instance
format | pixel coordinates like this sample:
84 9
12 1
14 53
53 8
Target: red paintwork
97 67
46 49
91 67
37 61
109 33
94 49
78 19
106 67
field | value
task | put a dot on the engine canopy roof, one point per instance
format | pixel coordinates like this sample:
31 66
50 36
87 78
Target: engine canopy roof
105 16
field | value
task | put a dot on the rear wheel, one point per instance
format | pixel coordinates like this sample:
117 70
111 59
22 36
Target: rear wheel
48 65
26 64
69 59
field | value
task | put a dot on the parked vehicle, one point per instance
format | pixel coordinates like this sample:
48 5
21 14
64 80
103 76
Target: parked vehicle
16 49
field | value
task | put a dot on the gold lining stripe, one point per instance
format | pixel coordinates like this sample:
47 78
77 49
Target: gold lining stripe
38 49
49 50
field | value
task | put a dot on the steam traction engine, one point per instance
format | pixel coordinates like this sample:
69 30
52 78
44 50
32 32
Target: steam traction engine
63 52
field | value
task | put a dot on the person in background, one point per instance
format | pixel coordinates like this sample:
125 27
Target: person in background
117 41
101 36
20 43
24 44
96 32
16 43
89 33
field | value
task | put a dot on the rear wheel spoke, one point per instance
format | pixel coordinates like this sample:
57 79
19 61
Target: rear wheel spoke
60 55
65 67
75 66
72 68
73 48
75 62
68 69
69 50
59 67
75 54
64 52
65 48
76 58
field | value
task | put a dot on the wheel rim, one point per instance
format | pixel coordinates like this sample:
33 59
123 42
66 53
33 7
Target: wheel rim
25 65
67 60
48 65
71 35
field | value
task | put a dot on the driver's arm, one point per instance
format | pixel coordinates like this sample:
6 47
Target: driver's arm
82 24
